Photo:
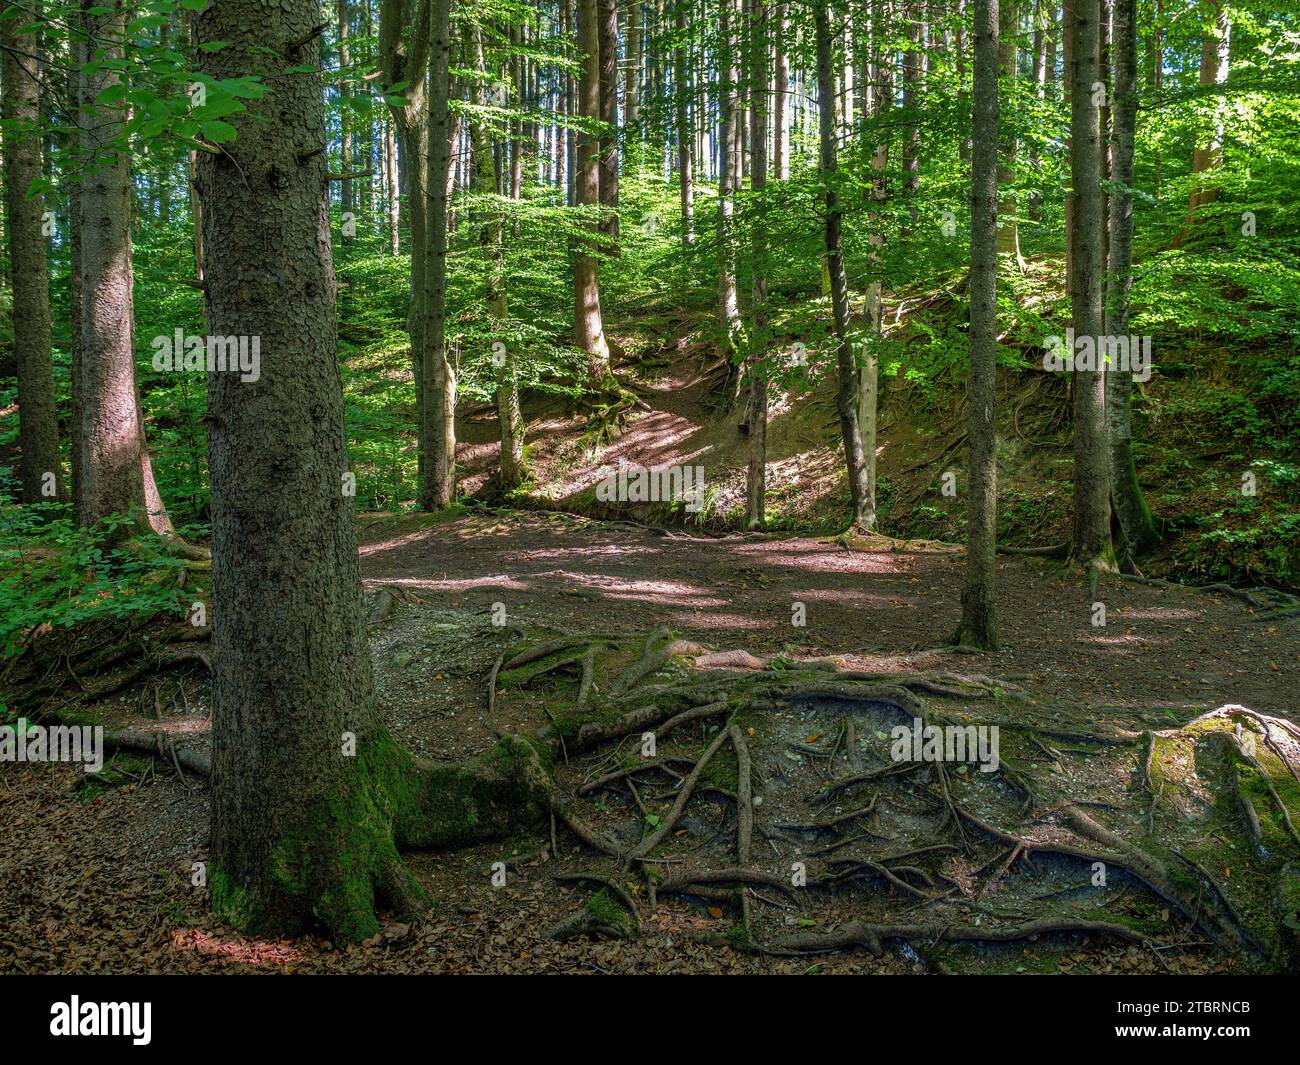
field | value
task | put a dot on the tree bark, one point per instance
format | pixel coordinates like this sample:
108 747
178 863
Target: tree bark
685 138
756 478
1137 527
1092 546
588 326
438 377
862 498
115 475
781 99
40 468
728 183
1008 228
311 798
1215 39
607 16
978 600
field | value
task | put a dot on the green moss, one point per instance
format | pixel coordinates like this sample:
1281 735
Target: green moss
608 909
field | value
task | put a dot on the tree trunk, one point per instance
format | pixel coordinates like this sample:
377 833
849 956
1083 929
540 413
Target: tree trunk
114 475
1215 38
403 64
1008 228
346 197
756 479
588 326
1092 545
1136 525
862 498
781 100
978 600
41 469
491 239
911 104
632 82
438 377
728 183
310 796
685 138
607 17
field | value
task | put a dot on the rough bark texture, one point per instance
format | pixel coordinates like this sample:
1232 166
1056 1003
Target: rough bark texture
114 475
304 833
847 398
588 326
1091 456
1135 521
41 470
978 615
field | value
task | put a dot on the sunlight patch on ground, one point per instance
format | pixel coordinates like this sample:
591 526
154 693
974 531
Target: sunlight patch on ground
247 952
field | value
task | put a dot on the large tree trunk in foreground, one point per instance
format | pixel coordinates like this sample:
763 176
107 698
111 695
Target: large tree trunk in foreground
978 615
588 326
114 475
1092 545
1136 524
41 470
311 798
850 375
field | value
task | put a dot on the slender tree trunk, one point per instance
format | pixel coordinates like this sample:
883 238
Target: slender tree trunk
491 238
1008 227
1215 39
911 103
729 181
632 78
850 376
41 469
1135 522
978 600
1092 545
607 16
394 200
438 377
347 199
403 64
685 138
588 326
115 475
756 479
781 100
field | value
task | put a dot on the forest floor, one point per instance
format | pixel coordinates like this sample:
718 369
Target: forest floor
100 878
98 875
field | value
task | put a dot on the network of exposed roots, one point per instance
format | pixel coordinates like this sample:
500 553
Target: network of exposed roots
775 792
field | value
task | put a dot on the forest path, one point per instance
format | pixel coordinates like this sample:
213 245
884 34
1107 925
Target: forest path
1163 653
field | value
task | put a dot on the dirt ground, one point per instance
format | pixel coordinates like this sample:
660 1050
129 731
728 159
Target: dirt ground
104 884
